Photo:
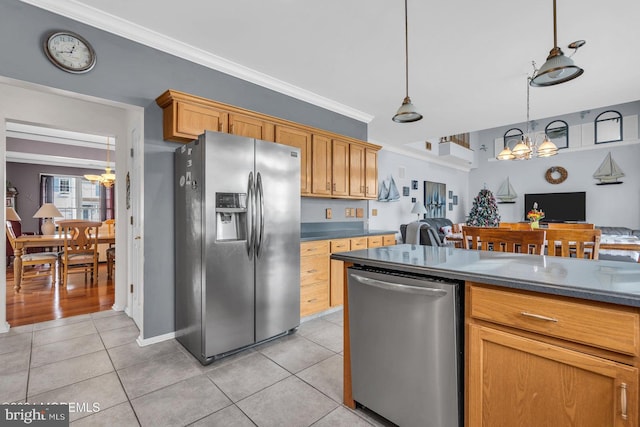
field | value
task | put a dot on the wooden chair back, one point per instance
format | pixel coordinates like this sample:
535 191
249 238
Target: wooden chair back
573 243
470 236
515 241
80 248
11 234
515 225
572 226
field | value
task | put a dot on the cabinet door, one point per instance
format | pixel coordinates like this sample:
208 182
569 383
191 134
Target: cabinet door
302 140
192 120
356 171
340 168
250 127
517 381
371 174
321 165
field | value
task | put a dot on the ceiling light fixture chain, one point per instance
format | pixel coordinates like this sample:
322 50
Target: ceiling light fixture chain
407 112
108 178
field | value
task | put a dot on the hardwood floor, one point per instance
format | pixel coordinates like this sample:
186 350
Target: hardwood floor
39 301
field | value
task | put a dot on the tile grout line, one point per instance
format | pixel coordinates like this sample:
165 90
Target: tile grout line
135 414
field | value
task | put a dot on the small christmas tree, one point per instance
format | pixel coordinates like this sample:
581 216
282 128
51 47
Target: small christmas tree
484 212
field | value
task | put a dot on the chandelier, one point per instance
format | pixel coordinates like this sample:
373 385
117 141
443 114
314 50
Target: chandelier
528 148
108 178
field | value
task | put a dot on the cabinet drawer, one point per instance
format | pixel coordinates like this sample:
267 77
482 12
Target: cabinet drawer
597 325
341 245
317 247
314 297
359 243
314 269
389 240
374 241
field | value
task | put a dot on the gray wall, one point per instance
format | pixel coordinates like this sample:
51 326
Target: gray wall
135 74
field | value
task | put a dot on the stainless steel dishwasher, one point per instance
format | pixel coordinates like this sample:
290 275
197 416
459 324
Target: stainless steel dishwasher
407 347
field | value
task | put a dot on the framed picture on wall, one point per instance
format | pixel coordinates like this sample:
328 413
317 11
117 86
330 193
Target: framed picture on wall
435 194
455 200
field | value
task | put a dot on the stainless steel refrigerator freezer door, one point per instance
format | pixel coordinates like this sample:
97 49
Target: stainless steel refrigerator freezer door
277 239
229 271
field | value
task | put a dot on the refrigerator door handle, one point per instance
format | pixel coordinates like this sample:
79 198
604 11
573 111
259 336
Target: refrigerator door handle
250 216
260 214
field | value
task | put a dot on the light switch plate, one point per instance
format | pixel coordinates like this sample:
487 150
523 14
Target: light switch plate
374 212
328 213
359 212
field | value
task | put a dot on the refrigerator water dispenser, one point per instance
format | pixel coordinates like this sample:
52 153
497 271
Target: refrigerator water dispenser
231 216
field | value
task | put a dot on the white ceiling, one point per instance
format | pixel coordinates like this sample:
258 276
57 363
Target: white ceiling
468 59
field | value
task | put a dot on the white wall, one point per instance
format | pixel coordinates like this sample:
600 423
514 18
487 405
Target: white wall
392 214
607 205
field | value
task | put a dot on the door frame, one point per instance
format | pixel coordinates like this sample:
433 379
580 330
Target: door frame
31 103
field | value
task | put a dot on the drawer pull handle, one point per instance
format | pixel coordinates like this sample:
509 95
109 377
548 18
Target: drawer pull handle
312 271
623 401
312 300
539 317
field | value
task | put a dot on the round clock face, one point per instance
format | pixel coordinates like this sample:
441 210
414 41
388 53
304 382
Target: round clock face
70 52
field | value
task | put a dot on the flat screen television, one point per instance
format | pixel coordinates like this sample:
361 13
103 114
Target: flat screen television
558 207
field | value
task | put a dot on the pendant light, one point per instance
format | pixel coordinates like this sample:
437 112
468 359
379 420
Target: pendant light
108 178
558 68
407 112
526 148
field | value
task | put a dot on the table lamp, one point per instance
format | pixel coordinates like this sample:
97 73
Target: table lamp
418 208
48 211
11 214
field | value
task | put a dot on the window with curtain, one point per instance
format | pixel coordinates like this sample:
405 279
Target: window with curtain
77 198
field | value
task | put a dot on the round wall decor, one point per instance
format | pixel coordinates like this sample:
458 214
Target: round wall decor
70 52
556 175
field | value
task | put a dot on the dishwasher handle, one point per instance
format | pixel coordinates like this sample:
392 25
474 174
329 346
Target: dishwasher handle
389 286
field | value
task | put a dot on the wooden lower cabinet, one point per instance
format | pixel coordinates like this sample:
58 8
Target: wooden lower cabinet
519 378
314 277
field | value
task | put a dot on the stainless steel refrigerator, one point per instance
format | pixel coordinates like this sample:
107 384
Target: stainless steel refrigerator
237 233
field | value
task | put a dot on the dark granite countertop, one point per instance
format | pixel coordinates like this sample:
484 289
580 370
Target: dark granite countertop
606 281
341 234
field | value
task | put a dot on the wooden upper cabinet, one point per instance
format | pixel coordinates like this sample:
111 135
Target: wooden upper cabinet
251 127
340 168
302 140
356 171
186 121
332 165
321 165
371 173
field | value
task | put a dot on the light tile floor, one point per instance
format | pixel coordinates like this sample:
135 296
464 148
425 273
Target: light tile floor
94 359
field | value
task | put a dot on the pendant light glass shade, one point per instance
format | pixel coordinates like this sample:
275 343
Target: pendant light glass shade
407 112
558 68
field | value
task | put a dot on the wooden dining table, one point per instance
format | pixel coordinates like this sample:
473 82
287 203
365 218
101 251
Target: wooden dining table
42 241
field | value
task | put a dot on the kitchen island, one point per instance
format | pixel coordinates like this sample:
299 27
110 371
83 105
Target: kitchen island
548 340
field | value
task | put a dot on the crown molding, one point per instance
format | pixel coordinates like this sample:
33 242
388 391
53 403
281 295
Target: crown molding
414 153
80 12
49 160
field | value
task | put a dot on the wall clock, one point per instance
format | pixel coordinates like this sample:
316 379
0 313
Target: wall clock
70 52
556 175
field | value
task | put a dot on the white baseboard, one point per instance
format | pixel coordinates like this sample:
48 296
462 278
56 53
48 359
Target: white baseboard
142 342
4 327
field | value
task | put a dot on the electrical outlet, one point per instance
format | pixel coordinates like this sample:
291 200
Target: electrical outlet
374 212
359 212
328 213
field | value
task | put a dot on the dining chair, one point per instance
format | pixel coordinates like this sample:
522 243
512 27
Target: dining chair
80 248
111 261
32 259
504 240
515 225
573 243
470 236
570 226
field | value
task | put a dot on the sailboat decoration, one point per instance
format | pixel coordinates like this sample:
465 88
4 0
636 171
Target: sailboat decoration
388 193
608 172
506 193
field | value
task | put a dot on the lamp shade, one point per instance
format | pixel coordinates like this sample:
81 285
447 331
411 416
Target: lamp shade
418 208
407 112
557 69
48 210
11 214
